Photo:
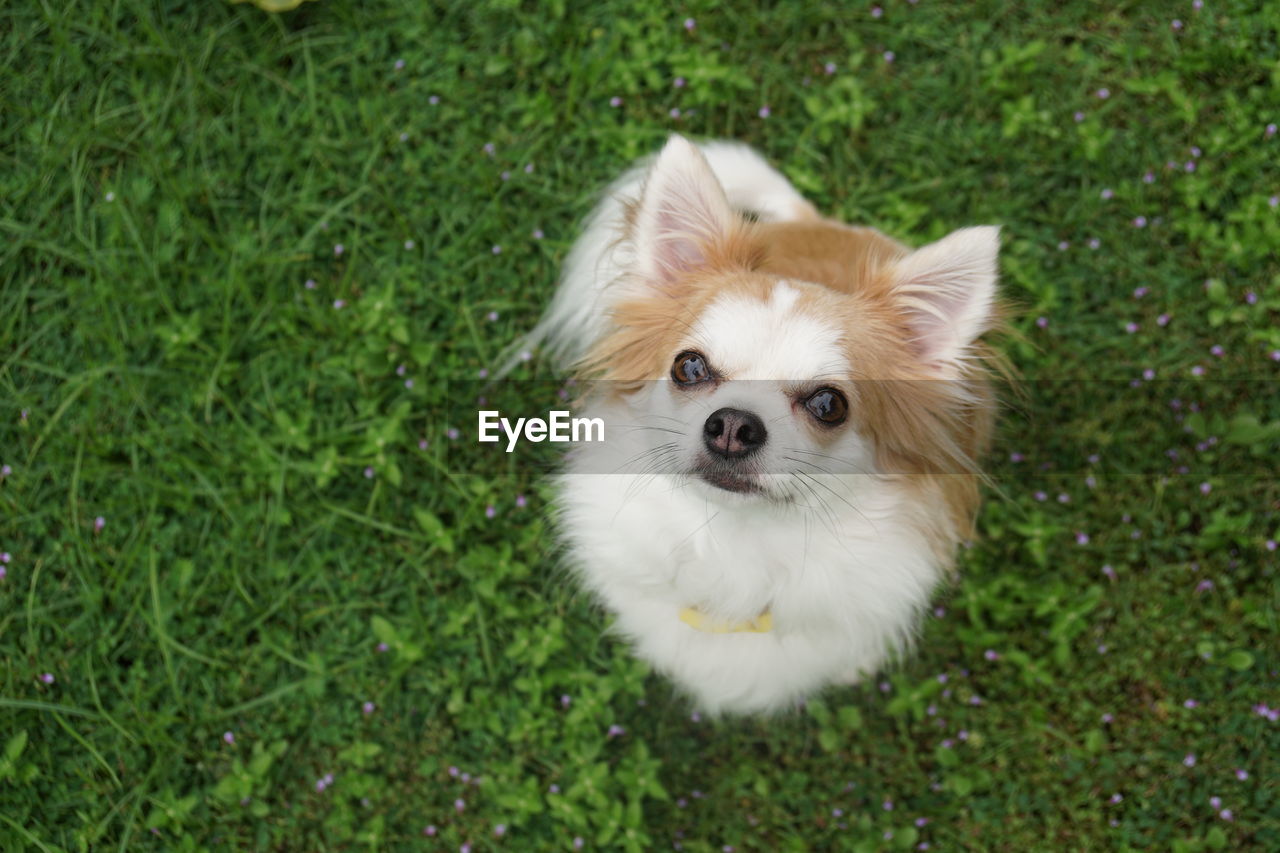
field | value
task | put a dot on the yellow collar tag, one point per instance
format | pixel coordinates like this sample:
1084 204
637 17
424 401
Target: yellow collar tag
700 621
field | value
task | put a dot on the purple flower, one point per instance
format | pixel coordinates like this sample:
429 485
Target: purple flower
615 730
578 842
1042 322
565 700
310 284
1217 350
830 68
528 168
367 707
890 56
1190 166
1107 194
339 304
1191 703
1109 572
488 148
506 176
433 100
1204 586
369 472
1242 774
99 523
991 654
408 244
500 830
383 648
110 196
1041 496
1149 178
876 11
1205 488
1063 245
1162 320
1082 538
338 249
765 111
497 250
1131 327
423 444
678 82
228 737
429 830
1176 24
459 805
887 805
689 24
1251 297
1079 116
1107 718
615 101
537 234
1115 798
1140 222
47 678
1227 814
5 556
521 501
1139 292
490 511
1189 760
1094 242
675 112
1104 93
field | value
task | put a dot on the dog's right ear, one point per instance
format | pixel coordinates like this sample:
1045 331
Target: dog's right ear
681 216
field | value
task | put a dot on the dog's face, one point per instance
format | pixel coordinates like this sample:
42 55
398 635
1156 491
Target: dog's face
760 361
756 395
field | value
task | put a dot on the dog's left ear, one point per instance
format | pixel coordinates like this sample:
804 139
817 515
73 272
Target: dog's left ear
682 214
948 291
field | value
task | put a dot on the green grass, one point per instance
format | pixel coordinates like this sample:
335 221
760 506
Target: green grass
169 181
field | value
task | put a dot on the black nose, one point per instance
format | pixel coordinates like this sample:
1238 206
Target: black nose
733 433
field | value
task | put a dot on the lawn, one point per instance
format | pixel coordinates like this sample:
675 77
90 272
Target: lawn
256 598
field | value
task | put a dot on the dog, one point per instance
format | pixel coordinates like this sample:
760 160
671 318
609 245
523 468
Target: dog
796 412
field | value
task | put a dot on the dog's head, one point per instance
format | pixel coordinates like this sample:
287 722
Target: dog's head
763 357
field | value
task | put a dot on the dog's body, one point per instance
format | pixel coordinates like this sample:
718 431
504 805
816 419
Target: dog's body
796 409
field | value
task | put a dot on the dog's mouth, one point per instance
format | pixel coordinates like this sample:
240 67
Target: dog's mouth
729 482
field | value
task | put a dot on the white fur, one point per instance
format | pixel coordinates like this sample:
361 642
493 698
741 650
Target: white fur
834 552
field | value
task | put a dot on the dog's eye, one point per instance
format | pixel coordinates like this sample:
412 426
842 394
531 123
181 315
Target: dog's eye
827 405
690 368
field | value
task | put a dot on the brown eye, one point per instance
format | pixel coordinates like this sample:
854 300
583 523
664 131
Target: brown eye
827 405
690 368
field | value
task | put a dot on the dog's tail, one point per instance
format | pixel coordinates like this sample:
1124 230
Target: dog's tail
753 186
577 313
